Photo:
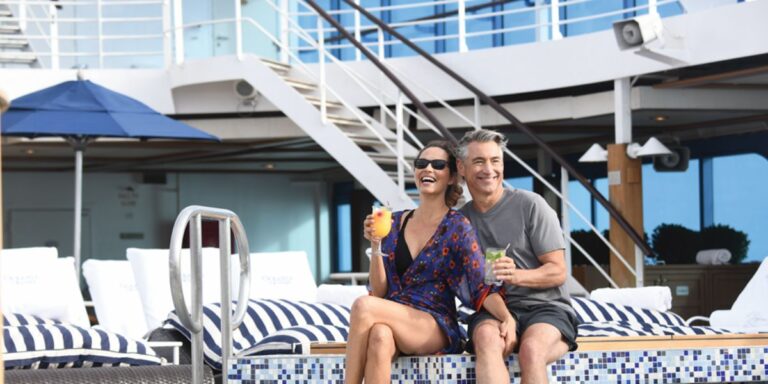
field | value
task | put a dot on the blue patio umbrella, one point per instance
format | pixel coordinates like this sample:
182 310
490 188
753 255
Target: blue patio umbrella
82 111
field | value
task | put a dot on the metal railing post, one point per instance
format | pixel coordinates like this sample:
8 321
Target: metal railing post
554 12
192 319
100 32
178 31
565 220
167 45
639 267
462 20
238 29
321 61
653 8
380 43
358 56
399 131
54 32
477 113
23 15
284 32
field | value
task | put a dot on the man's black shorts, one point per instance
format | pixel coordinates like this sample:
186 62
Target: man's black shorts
525 316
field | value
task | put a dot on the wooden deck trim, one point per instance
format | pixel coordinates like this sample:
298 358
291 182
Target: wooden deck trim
622 343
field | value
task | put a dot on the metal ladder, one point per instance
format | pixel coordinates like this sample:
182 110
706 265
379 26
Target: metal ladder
15 51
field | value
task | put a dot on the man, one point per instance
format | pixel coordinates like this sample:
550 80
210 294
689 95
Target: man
541 323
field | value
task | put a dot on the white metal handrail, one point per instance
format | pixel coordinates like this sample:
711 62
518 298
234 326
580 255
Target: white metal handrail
192 319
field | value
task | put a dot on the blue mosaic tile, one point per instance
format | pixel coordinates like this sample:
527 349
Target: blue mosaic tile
709 365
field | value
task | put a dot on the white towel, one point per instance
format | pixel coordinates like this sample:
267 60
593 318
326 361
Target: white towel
658 298
340 294
713 256
753 321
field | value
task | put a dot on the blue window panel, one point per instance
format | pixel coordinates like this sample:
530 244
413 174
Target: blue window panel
602 219
525 182
740 190
525 20
479 25
671 197
344 238
590 8
425 30
581 199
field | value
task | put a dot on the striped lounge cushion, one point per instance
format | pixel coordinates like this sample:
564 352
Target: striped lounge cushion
49 345
591 311
637 329
17 319
297 340
265 318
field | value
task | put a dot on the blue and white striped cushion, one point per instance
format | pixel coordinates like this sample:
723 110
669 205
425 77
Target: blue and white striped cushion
66 345
638 329
591 311
297 340
263 318
17 319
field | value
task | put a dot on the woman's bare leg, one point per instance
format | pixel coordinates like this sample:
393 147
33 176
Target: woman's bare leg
381 352
415 332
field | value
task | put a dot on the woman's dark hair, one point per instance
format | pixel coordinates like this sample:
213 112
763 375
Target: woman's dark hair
454 191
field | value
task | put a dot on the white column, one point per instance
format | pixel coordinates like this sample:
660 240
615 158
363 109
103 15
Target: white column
23 15
167 33
284 32
357 31
555 22
178 31
543 29
653 7
100 32
54 32
462 26
565 221
623 110
238 29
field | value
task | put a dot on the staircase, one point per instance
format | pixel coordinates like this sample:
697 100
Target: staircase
364 147
15 51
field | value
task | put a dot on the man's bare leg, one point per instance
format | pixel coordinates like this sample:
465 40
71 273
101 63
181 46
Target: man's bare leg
540 344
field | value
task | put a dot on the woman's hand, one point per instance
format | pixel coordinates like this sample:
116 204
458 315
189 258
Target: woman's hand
508 332
506 270
368 232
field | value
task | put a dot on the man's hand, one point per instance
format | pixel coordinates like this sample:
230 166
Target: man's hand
506 270
508 333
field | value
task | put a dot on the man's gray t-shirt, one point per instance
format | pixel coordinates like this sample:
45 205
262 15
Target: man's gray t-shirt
523 220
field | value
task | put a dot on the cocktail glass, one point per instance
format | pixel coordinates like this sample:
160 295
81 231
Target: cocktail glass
491 255
382 223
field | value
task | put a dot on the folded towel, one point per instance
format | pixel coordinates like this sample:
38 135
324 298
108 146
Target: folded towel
713 256
658 298
340 294
753 321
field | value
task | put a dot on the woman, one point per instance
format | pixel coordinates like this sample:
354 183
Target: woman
430 256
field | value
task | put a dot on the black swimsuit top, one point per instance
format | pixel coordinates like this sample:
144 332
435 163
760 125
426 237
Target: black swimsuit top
403 257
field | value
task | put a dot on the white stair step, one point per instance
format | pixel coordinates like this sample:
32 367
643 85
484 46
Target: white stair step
26 58
9 28
300 84
5 13
388 159
370 140
408 176
328 103
13 43
345 121
276 65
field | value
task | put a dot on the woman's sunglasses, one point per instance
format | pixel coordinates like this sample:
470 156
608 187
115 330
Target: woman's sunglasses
437 165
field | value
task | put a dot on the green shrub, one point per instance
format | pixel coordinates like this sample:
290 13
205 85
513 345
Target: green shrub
723 236
592 244
675 244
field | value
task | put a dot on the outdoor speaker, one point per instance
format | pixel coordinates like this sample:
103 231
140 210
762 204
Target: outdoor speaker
245 90
675 162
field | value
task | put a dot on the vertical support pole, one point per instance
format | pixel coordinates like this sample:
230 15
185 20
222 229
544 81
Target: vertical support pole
178 31
639 267
565 221
555 22
706 193
239 29
653 8
543 28
462 20
54 32
478 125
23 15
284 32
196 300
225 252
100 31
78 207
321 60
623 110
358 54
380 53
380 46
400 157
167 33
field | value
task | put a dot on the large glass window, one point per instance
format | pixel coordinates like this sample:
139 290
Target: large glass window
671 197
740 190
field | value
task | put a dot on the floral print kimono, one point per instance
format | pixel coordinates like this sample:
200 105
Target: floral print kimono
450 265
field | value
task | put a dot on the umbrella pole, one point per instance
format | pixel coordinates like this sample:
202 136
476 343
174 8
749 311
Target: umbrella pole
78 206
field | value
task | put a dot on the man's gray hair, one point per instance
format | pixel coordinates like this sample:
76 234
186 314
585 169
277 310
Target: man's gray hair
479 136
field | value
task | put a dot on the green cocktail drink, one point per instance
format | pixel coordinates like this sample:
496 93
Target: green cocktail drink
491 255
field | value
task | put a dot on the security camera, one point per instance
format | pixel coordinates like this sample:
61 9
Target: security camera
245 90
638 31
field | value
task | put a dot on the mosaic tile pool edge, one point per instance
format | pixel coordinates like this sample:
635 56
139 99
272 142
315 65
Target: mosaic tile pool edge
707 365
